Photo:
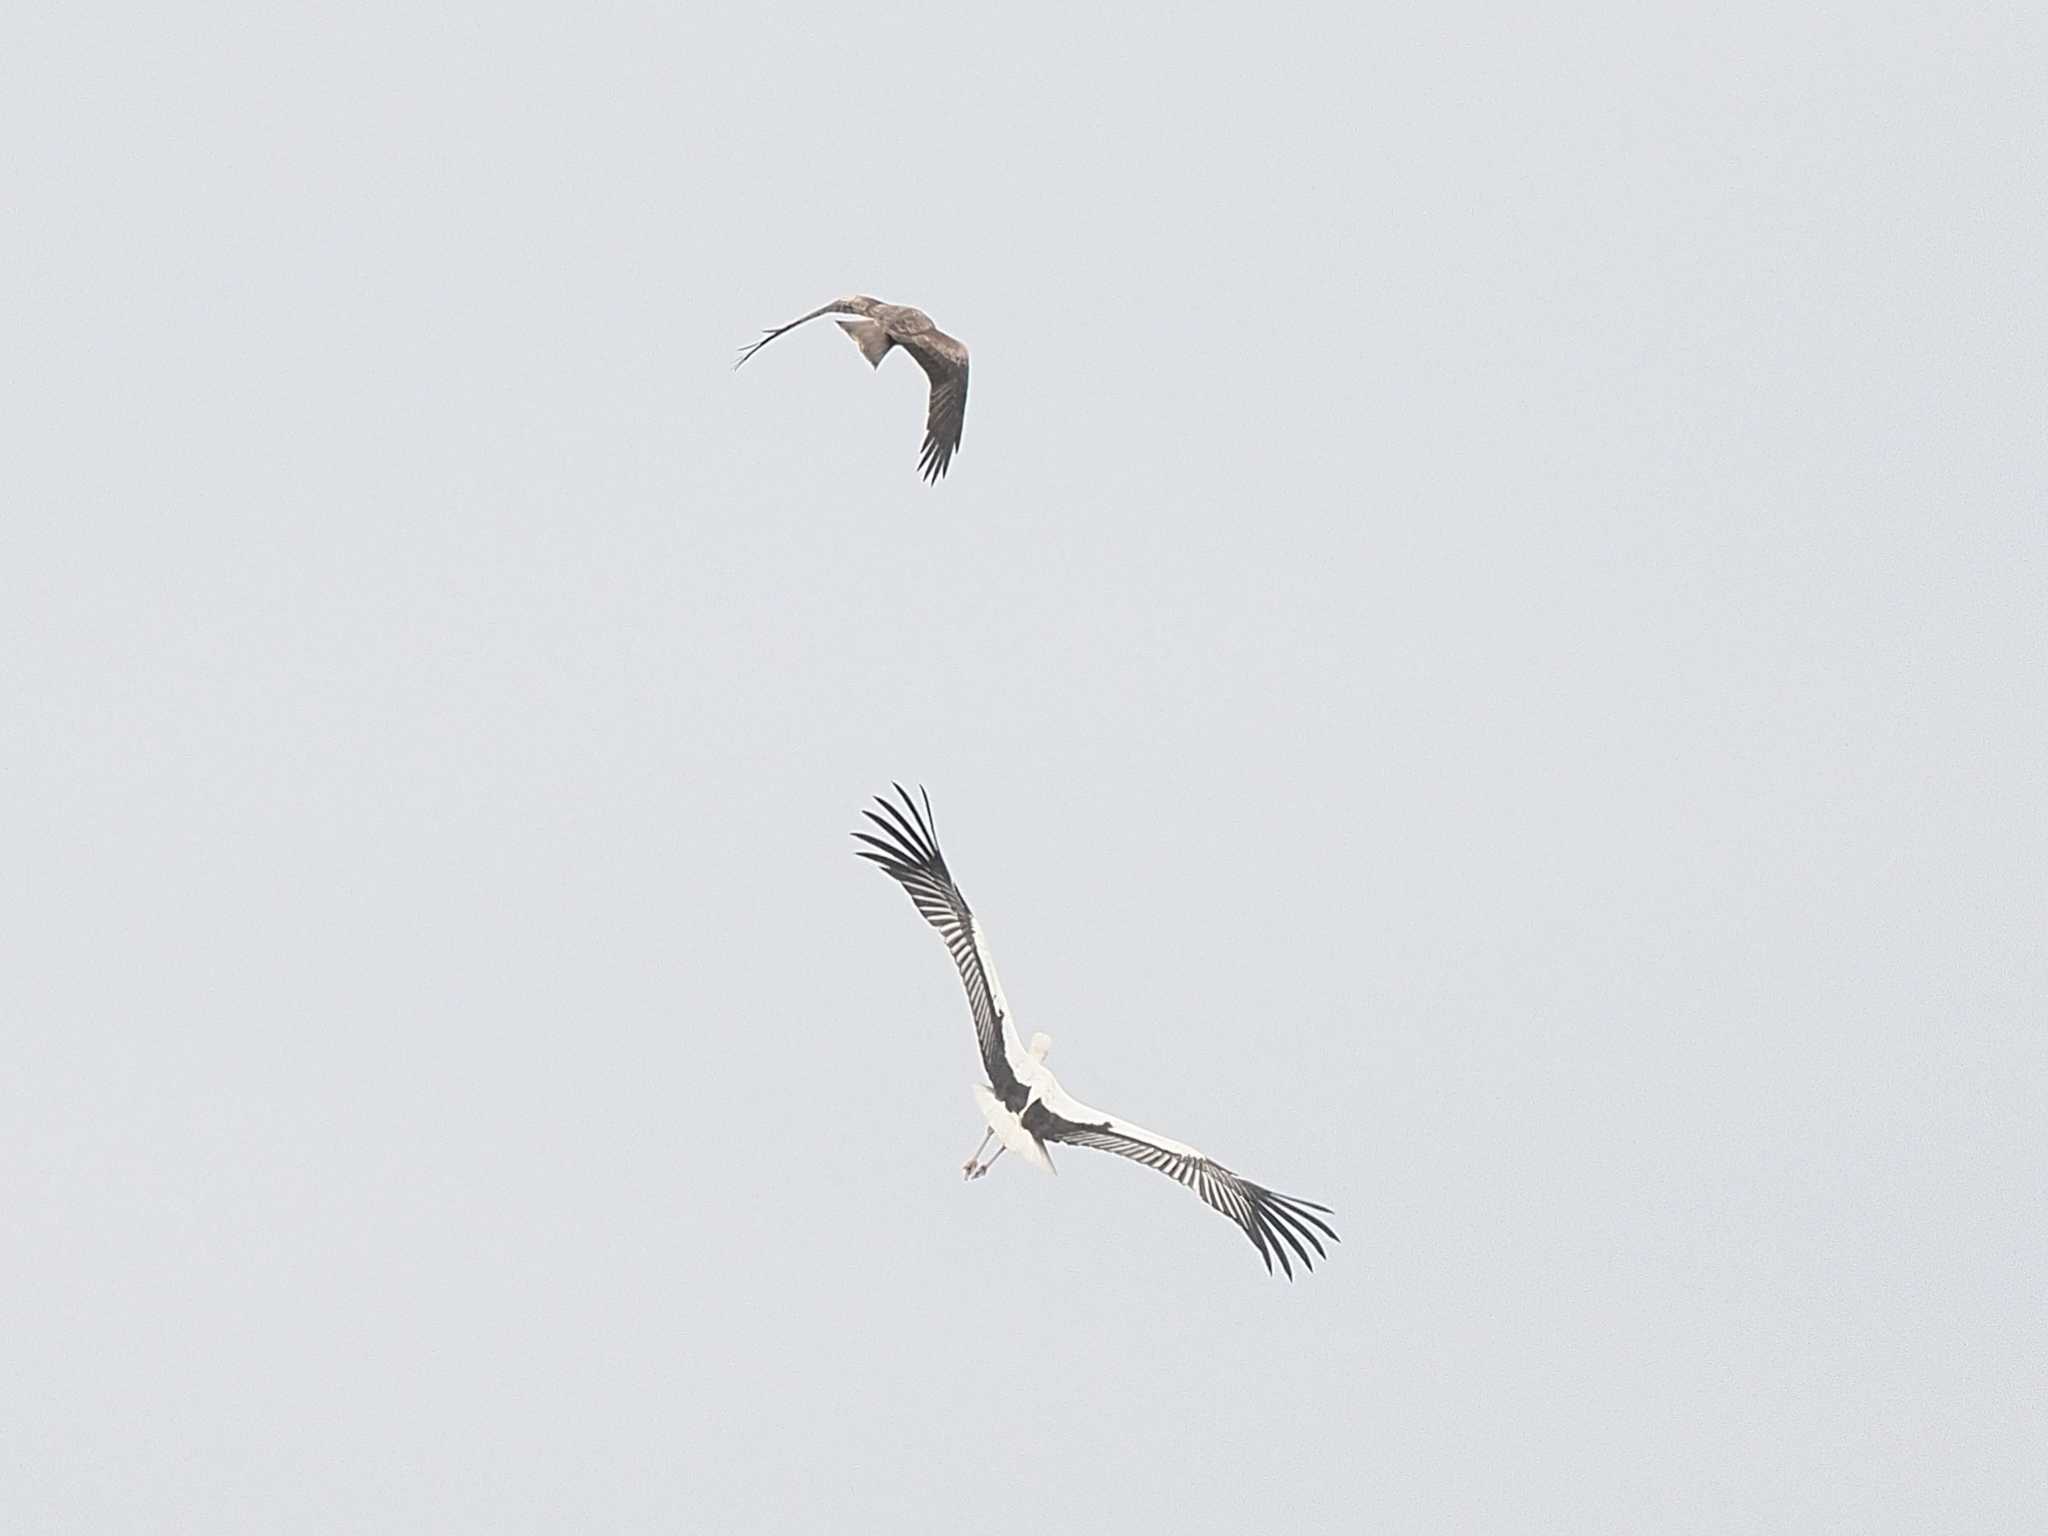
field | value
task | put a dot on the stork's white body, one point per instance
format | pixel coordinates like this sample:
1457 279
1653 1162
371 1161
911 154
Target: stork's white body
1010 1130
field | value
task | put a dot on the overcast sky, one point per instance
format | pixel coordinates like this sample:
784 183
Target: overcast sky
1483 660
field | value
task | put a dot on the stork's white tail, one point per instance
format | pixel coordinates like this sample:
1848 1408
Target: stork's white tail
873 341
1010 1130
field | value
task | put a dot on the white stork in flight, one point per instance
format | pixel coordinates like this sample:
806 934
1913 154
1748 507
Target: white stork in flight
944 360
1022 1101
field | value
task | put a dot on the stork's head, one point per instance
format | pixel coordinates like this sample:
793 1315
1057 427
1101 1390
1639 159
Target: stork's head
1041 1044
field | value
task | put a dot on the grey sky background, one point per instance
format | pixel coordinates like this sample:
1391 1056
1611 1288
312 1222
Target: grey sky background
1482 660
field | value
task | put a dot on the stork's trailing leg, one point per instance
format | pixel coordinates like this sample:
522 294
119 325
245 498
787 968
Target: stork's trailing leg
972 1167
984 1168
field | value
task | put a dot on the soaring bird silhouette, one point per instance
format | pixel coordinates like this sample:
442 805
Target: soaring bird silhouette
1022 1101
882 326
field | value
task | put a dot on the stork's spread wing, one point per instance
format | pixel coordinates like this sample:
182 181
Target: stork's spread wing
944 360
909 850
1265 1217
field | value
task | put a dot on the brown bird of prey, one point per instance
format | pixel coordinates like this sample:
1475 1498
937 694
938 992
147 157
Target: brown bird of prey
882 326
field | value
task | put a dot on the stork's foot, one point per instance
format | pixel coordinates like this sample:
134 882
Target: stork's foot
974 1167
